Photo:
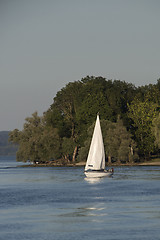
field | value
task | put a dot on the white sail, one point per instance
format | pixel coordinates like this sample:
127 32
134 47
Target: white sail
96 155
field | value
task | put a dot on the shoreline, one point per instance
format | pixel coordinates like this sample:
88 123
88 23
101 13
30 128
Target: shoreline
82 164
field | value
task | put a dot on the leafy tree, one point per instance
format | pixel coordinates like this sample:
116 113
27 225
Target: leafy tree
62 131
76 105
63 113
69 148
55 119
142 113
93 100
119 147
118 143
36 143
67 103
84 149
156 130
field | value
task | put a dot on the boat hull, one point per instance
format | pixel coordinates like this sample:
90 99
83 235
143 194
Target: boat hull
98 174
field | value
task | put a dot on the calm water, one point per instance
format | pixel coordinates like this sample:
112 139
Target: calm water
59 203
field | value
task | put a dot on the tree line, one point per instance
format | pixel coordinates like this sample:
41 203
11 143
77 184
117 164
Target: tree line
130 121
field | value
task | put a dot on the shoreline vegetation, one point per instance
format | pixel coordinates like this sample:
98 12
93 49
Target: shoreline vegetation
130 122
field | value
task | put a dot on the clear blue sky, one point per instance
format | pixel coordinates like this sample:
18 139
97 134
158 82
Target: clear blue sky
45 44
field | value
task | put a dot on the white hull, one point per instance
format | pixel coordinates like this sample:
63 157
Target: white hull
98 174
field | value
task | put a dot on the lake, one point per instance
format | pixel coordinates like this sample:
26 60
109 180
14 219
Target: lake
56 203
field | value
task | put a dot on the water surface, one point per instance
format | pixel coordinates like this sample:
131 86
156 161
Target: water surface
60 203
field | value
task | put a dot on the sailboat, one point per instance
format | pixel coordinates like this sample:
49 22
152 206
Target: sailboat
95 165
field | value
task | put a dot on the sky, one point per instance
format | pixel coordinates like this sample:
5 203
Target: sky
45 44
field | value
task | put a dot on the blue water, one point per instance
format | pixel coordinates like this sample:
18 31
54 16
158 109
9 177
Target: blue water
59 203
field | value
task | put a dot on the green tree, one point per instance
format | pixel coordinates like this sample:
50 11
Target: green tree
67 103
62 130
63 113
36 143
142 113
119 146
69 149
156 130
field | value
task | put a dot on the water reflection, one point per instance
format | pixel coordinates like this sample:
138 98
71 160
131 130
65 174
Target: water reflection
93 180
88 211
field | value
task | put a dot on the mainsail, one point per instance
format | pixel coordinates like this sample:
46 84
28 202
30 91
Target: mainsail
96 155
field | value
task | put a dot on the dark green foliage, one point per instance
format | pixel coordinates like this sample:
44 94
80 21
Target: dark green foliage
156 130
142 114
117 141
75 106
37 142
67 125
